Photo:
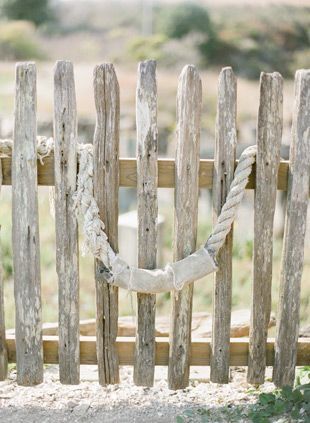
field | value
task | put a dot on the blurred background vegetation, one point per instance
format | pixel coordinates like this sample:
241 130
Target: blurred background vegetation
250 36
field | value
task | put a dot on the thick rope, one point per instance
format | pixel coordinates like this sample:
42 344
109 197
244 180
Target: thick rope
234 198
96 240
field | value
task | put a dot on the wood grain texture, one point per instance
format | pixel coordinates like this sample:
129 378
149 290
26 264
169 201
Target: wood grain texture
106 183
67 252
189 98
3 349
166 173
224 160
269 134
147 146
294 235
200 351
25 231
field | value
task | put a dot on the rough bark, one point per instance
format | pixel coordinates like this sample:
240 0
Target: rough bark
146 117
106 183
269 134
294 236
224 160
67 252
25 231
189 99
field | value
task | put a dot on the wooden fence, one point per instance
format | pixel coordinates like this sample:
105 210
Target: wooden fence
187 173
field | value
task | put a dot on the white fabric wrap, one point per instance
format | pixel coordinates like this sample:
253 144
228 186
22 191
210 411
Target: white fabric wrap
173 277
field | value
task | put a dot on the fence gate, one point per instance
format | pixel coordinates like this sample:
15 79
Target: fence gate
25 165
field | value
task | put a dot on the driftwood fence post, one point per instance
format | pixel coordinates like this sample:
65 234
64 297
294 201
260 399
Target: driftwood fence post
224 163
294 235
269 133
146 109
67 251
106 184
189 99
26 243
3 348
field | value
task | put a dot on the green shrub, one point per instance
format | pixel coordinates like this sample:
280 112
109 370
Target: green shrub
142 48
36 11
179 20
18 41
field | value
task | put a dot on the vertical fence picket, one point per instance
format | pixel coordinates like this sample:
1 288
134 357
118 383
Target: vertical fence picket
269 134
189 99
294 236
3 349
106 186
67 259
25 230
224 162
146 109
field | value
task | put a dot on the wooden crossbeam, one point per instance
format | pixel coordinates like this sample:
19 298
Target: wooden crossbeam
200 351
128 173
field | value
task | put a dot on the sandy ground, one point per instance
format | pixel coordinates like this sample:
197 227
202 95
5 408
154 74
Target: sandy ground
53 402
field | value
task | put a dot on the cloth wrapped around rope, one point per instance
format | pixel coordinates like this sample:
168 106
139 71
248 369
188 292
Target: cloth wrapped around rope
114 269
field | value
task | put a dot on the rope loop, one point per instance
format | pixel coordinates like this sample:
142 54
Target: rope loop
118 272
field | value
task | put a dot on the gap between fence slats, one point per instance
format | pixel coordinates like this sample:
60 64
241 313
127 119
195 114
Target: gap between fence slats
224 160
147 146
294 236
106 183
166 173
67 252
189 99
25 231
200 351
269 133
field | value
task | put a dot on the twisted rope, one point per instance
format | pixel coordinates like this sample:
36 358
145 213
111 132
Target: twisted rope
96 240
234 198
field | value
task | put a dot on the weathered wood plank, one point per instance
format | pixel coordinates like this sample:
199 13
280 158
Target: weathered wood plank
3 349
147 143
25 230
106 183
166 173
294 235
189 98
269 134
67 252
224 160
200 351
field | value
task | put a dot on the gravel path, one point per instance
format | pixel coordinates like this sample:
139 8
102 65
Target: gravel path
89 402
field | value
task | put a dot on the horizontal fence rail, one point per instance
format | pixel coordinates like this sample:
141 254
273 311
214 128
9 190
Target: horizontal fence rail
128 173
200 351
186 174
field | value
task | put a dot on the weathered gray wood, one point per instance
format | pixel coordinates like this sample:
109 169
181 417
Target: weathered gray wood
269 133
128 173
224 160
3 349
106 183
147 143
67 253
25 231
294 235
189 98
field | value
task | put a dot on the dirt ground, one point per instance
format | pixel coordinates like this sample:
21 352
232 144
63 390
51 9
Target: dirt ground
53 402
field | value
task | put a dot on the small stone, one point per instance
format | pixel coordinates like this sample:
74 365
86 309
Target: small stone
71 404
81 409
